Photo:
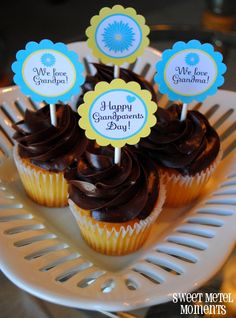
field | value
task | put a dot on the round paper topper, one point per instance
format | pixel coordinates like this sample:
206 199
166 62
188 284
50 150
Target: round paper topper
117 113
48 72
190 71
117 35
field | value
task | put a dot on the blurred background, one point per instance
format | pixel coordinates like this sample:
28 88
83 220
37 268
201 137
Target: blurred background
66 20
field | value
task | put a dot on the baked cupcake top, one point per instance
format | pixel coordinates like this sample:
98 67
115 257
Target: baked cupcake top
106 73
189 146
49 147
114 193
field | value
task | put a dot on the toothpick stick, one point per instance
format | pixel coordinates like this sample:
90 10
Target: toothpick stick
53 116
184 112
116 71
117 157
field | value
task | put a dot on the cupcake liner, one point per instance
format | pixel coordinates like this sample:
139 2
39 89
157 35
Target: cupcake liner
44 187
181 190
116 238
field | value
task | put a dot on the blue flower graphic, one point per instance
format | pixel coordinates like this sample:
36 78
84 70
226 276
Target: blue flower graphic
192 59
48 59
118 36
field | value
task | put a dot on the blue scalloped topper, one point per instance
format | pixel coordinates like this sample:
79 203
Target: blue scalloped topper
190 71
48 71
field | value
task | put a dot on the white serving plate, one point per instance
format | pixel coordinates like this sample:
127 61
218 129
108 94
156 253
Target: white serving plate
43 253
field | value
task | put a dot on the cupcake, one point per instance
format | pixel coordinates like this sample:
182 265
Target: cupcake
106 73
114 205
43 152
187 153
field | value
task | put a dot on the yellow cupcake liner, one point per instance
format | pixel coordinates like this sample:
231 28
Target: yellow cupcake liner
182 190
116 238
44 187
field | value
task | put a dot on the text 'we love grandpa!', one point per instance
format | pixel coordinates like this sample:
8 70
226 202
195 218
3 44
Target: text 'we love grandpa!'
43 75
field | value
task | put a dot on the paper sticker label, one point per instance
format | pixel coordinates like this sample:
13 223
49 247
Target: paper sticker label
190 71
118 35
118 113
48 72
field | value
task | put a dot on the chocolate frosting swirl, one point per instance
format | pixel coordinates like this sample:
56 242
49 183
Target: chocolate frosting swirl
114 193
106 73
51 148
189 146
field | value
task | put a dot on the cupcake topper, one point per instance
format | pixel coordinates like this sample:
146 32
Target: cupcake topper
117 113
117 35
48 72
190 71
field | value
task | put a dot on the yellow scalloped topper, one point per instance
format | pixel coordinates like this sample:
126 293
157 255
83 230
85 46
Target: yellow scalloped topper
117 113
117 35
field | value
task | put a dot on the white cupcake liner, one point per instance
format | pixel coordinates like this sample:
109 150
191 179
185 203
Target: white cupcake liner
114 239
44 187
177 183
